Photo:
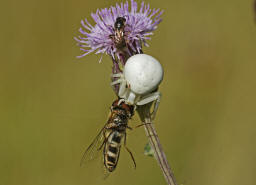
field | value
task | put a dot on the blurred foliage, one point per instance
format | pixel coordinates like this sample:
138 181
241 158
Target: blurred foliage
53 105
148 151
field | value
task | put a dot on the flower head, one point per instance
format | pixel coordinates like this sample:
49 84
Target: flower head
101 38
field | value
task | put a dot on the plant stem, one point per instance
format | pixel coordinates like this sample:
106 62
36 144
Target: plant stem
144 113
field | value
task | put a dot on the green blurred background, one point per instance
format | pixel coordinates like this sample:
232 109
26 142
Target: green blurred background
52 104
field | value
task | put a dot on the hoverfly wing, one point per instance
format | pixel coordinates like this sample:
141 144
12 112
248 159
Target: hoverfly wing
95 148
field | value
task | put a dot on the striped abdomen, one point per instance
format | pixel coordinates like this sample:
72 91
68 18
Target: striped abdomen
112 150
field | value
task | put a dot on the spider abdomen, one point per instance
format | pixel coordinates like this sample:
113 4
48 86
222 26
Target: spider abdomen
143 73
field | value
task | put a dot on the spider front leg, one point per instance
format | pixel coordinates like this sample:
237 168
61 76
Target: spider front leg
155 96
117 75
122 88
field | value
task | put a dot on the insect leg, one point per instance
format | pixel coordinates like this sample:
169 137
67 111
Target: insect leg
105 140
134 163
102 144
112 36
130 128
142 125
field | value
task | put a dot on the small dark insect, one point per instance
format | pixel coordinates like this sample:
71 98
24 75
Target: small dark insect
110 137
119 36
120 23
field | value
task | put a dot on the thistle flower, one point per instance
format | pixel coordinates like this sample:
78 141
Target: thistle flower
139 25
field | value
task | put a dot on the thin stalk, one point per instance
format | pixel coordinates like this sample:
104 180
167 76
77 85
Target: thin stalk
144 113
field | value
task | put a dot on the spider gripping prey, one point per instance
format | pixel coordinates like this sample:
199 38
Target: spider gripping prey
121 31
138 84
109 139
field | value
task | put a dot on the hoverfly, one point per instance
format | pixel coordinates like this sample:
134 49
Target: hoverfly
118 36
110 137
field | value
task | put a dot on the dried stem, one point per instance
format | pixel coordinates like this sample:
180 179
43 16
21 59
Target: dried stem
144 113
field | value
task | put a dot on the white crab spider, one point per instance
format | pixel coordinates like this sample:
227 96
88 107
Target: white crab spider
139 81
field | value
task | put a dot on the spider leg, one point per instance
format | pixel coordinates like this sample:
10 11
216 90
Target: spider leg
117 75
116 82
122 82
122 89
155 96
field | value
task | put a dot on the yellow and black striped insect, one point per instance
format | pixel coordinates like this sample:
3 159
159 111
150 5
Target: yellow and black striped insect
109 139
